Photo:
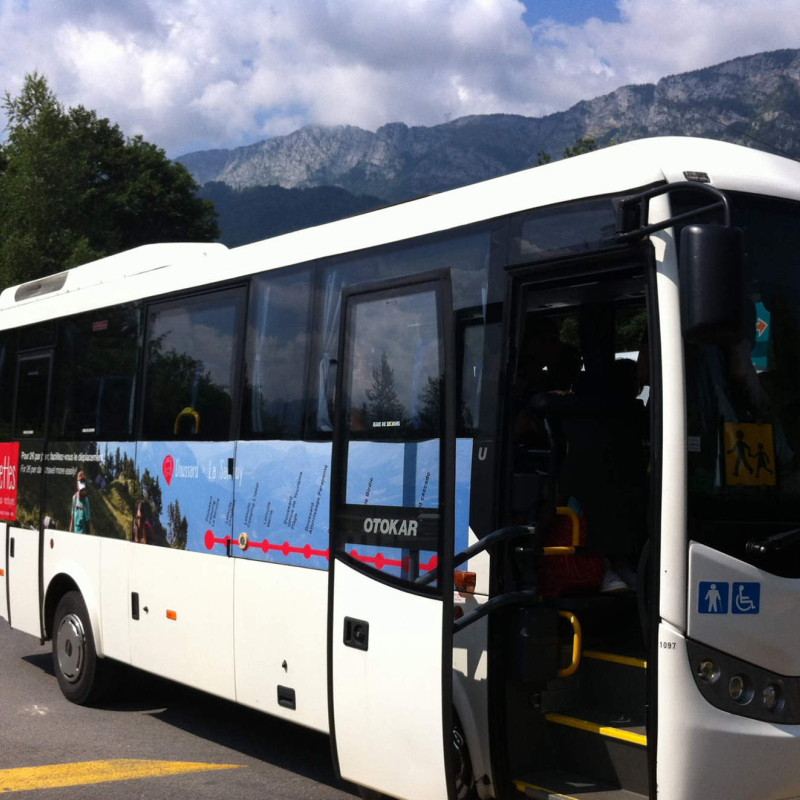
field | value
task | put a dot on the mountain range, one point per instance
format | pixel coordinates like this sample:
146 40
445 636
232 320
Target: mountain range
753 100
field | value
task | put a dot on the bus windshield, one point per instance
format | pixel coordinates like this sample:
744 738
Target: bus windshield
742 399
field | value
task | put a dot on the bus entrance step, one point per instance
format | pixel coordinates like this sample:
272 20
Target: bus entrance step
611 750
552 786
613 683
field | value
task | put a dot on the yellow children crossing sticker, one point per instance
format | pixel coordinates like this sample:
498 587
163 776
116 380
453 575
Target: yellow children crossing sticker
749 454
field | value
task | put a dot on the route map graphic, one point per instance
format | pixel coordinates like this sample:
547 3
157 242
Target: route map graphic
307 551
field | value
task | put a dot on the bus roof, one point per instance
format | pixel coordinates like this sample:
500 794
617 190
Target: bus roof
617 169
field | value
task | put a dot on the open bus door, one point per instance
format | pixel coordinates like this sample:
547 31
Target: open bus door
24 544
392 519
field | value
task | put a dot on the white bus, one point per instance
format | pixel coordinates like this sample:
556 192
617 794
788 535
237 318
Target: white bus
394 478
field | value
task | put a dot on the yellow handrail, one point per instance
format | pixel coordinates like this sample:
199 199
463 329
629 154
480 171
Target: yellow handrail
188 412
566 511
576 644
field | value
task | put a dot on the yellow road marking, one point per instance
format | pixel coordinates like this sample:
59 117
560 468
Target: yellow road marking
52 776
631 662
603 730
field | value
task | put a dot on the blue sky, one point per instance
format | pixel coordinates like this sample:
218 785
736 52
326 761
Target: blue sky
194 74
573 12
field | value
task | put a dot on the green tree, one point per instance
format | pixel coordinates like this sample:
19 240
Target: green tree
177 526
383 404
580 147
152 491
74 188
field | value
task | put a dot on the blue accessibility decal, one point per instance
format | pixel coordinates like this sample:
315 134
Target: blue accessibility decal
721 597
746 598
713 597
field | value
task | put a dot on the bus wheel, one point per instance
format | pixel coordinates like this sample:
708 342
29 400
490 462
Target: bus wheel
81 675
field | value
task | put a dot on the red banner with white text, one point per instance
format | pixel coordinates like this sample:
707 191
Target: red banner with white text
9 473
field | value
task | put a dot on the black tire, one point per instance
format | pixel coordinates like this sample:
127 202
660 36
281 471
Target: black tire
84 678
465 788
369 794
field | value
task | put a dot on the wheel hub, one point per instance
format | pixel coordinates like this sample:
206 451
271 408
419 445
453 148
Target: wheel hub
71 647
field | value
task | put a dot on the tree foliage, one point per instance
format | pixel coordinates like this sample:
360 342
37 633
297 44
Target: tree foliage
74 188
581 146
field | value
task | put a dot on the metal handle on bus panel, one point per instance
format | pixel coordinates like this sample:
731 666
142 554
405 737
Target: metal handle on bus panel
762 548
356 633
576 645
479 547
521 598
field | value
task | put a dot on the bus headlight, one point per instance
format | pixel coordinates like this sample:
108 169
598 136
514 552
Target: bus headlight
739 689
771 697
708 671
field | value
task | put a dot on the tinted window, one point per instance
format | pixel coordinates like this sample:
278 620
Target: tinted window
33 378
467 256
191 367
41 335
8 360
277 338
96 364
562 230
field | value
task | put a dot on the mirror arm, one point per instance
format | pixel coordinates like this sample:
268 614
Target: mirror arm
761 548
624 232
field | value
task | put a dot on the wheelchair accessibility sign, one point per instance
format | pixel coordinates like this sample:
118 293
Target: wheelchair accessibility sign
720 597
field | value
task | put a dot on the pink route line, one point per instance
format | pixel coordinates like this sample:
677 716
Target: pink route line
379 560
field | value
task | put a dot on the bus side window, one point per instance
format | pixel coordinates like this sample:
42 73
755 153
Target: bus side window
192 356
277 340
96 364
8 359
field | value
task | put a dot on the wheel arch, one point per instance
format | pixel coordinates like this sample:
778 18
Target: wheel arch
59 585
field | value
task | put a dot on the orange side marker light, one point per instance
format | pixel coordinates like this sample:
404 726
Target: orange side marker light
172 615
464 581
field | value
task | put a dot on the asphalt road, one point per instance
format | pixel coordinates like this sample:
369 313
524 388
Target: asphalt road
153 719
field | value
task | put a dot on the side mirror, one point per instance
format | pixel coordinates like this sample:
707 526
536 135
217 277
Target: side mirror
712 284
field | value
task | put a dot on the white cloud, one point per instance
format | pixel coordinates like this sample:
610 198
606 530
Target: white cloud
193 74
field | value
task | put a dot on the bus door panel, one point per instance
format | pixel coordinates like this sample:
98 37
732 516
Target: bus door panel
22 575
392 521
280 551
33 386
3 571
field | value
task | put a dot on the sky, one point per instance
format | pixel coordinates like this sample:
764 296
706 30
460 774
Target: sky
200 74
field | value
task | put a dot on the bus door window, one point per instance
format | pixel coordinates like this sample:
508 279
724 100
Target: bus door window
33 384
97 358
393 420
8 362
